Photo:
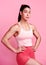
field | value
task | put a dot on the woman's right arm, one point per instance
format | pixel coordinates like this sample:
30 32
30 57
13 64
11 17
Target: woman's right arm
8 35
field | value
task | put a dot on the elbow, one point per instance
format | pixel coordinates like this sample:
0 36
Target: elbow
3 40
39 38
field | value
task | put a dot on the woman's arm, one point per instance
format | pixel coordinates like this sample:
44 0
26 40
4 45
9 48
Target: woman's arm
38 37
8 35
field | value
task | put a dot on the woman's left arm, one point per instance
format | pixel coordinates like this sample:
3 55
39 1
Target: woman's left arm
38 38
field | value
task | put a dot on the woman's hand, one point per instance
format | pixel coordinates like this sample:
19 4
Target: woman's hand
33 48
20 49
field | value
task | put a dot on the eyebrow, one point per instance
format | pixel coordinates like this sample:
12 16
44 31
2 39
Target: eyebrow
26 10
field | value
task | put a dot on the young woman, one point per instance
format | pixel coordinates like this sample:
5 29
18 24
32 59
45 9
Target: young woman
23 31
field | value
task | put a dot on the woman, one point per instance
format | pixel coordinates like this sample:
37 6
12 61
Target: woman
23 31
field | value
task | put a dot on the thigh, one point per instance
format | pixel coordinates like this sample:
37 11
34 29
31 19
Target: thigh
32 61
25 56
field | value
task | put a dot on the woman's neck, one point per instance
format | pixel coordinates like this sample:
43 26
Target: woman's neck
24 21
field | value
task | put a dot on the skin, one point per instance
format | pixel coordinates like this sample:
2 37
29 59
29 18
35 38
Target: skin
14 31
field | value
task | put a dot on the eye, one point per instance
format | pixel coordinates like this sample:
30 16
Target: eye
29 12
25 11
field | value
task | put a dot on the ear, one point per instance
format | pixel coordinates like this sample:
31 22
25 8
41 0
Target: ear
20 13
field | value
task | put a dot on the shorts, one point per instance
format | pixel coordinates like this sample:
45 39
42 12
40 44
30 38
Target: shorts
23 57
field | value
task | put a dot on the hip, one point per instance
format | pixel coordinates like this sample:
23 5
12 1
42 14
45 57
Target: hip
28 50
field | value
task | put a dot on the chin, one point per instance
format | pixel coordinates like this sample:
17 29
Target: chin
26 19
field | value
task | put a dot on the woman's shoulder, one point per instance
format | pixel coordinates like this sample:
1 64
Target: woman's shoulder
14 26
32 26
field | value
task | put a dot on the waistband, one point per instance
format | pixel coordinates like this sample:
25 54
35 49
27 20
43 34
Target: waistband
27 46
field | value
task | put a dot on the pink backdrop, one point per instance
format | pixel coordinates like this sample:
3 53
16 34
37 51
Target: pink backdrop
8 16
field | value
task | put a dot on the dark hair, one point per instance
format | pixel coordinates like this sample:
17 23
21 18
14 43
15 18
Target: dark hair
23 6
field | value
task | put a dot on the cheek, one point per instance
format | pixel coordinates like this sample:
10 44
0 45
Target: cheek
29 15
24 14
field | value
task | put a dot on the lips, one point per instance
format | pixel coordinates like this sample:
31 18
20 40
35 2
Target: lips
27 17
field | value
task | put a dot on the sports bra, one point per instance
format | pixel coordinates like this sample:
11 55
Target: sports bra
24 38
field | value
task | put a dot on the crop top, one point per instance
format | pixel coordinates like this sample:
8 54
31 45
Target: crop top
24 38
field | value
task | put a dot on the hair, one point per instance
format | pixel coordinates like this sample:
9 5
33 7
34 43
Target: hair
23 6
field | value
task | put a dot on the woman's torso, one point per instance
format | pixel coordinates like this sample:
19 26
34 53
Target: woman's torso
24 38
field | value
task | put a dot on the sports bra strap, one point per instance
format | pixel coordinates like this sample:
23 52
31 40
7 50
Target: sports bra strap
22 27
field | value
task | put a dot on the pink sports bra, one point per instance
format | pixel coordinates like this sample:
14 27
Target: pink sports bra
24 38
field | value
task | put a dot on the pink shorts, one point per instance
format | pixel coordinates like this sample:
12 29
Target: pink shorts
23 57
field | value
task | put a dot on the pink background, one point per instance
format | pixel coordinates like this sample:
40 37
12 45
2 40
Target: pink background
9 10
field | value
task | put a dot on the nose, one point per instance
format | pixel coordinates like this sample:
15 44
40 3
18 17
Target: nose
27 14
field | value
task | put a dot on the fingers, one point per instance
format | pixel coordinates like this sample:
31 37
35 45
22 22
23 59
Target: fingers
33 49
23 47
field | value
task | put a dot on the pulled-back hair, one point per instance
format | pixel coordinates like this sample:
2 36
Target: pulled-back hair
23 6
